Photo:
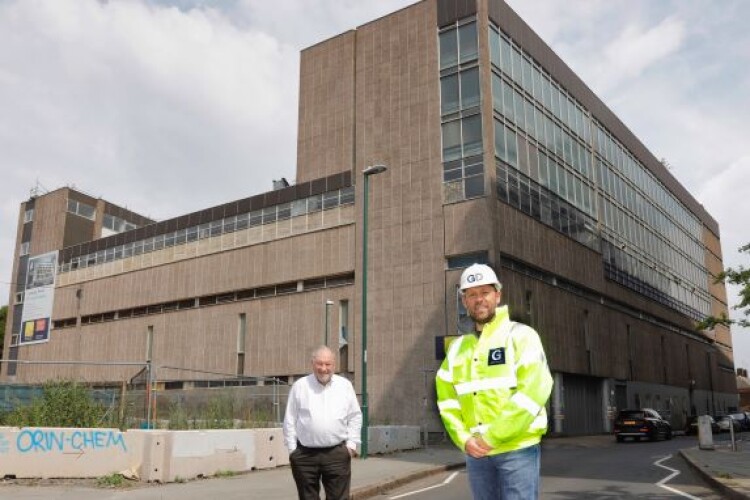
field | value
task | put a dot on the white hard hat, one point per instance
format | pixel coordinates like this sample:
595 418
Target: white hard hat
478 275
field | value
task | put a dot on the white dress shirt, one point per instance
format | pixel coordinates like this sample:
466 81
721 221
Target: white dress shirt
320 416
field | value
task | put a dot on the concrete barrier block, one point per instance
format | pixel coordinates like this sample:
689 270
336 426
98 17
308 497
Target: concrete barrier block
155 464
407 437
206 452
268 444
49 452
379 439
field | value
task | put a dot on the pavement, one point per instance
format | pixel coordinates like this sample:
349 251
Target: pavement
725 470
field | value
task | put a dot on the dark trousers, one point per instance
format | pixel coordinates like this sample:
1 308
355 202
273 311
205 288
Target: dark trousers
331 465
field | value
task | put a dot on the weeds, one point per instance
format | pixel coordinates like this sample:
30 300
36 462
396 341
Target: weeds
114 480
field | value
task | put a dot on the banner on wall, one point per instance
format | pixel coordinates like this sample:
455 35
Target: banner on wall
38 299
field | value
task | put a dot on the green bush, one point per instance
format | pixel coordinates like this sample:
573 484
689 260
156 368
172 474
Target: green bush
63 404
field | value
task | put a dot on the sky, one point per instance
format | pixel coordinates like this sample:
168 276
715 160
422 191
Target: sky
167 107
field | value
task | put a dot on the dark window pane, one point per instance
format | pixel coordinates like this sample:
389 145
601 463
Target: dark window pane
474 169
470 88
505 51
497 93
451 175
449 94
494 47
467 42
474 186
511 146
500 150
472 135
508 107
452 140
448 49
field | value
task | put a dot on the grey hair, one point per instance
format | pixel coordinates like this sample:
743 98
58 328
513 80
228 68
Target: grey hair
320 349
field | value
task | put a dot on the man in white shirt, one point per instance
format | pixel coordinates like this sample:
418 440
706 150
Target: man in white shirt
322 428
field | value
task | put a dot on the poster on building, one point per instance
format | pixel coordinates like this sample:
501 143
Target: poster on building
38 299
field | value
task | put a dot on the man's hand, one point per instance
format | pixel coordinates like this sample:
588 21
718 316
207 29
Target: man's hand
352 453
477 447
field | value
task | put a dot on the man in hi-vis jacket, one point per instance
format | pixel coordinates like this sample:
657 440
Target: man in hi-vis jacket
491 391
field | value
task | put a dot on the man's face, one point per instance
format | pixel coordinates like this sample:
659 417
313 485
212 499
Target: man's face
480 303
323 366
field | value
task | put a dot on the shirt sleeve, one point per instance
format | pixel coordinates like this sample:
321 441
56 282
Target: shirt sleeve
447 400
354 420
524 407
290 419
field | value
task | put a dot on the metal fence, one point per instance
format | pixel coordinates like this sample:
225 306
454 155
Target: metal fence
217 401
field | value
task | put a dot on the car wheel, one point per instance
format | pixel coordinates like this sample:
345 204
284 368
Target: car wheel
620 439
669 434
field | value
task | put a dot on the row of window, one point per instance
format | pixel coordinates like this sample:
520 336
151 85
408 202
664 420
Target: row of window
651 246
634 283
623 162
542 204
458 44
661 285
530 76
210 300
116 224
82 209
537 124
531 101
509 263
231 224
460 98
549 171
621 192
579 193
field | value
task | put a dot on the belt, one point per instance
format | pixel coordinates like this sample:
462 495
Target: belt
320 448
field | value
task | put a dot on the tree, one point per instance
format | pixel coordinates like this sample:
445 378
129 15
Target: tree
740 277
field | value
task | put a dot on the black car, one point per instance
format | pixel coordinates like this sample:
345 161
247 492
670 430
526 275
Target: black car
743 419
725 421
643 423
691 427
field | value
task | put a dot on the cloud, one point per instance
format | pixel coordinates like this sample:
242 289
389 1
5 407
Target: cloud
636 49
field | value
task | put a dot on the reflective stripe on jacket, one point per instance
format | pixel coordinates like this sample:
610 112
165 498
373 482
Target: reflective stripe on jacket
495 385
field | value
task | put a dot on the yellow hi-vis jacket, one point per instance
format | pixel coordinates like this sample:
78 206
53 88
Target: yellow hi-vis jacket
495 386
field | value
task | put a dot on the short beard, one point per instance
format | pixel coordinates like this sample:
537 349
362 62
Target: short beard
484 321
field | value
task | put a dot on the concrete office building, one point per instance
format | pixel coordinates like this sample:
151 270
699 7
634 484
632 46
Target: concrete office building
496 152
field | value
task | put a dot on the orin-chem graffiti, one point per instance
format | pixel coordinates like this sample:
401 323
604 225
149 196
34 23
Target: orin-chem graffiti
47 440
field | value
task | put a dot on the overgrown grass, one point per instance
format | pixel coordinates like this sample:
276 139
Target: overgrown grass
62 404
223 410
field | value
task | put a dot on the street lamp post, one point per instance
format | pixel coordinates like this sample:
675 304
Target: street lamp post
374 169
329 303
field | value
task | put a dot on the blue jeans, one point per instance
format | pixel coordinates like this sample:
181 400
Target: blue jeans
507 476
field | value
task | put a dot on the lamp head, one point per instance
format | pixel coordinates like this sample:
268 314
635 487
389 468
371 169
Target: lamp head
374 169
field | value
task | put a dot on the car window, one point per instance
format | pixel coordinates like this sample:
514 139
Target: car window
631 414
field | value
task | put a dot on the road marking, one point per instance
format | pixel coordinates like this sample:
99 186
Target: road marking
409 493
661 484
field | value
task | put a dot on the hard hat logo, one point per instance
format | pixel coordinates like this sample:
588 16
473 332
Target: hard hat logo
478 275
